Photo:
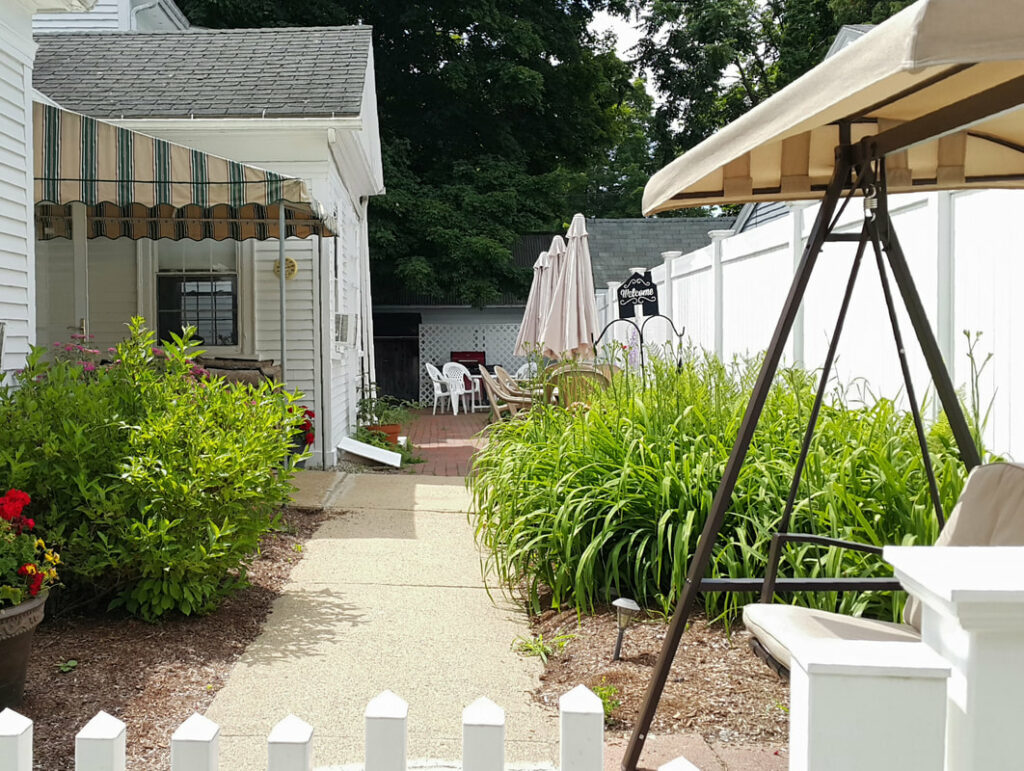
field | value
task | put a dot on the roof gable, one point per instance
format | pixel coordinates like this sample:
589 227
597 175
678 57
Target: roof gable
199 73
616 245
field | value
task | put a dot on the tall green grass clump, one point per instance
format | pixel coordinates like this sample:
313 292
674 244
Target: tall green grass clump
607 500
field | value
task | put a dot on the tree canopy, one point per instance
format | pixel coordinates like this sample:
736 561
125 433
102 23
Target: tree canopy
492 113
503 117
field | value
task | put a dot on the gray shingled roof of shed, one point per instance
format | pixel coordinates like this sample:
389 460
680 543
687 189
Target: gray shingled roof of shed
616 245
206 73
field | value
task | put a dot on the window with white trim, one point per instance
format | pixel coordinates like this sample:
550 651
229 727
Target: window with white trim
197 285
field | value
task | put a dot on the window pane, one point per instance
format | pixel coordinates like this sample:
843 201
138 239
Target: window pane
196 256
210 305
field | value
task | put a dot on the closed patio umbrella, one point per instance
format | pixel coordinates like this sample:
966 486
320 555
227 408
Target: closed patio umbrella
556 258
529 330
571 323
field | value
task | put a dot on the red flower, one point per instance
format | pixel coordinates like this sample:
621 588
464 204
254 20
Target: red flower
11 505
35 583
23 570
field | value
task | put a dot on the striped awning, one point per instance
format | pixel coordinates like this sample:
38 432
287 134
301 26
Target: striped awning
137 186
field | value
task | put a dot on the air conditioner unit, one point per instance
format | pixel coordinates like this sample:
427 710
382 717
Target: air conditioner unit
345 328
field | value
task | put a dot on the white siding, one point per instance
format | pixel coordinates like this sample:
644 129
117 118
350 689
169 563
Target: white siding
345 371
112 290
16 242
299 312
114 15
105 15
55 290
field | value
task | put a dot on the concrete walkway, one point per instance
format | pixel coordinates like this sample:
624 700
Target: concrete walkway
387 596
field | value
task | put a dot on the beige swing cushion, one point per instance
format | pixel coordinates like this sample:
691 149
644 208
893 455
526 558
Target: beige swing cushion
990 512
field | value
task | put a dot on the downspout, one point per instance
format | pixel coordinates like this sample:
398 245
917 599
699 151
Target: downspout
324 342
281 271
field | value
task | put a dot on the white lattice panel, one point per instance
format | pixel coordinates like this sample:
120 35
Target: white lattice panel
437 341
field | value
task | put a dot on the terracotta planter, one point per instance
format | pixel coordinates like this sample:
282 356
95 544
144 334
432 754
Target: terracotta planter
389 431
17 627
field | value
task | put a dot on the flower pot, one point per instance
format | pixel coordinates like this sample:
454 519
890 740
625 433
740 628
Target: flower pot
298 447
17 626
389 431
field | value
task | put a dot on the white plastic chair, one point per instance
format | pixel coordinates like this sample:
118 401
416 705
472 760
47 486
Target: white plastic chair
439 382
457 374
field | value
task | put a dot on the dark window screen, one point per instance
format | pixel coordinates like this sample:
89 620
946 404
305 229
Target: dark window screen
208 303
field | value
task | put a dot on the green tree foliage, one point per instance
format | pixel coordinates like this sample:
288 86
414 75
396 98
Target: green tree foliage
866 11
712 60
489 112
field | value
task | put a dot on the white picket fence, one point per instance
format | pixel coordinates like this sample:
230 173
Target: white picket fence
101 744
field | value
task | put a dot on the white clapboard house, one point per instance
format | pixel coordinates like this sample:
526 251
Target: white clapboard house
298 103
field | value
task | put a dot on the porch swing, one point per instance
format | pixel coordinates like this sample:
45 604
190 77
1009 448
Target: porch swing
930 100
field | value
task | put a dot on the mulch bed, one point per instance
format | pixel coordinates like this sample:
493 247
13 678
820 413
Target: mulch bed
152 676
716 686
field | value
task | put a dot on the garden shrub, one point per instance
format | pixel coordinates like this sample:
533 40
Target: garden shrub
153 480
609 500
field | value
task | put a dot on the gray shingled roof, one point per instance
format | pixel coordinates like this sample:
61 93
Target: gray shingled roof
292 71
616 245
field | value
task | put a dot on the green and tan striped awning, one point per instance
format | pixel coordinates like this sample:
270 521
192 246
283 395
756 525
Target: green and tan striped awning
137 186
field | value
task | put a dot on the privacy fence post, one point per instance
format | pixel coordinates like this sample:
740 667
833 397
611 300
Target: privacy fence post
194 746
290 746
581 730
666 298
483 736
386 732
718 289
15 741
100 745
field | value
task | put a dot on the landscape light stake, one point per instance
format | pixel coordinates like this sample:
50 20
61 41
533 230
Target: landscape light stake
626 611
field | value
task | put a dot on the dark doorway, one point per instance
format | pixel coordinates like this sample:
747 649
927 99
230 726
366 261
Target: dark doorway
396 342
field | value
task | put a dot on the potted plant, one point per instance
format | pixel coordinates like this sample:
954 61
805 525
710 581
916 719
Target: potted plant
27 571
383 415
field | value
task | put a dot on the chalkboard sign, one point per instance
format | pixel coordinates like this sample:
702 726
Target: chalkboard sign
638 290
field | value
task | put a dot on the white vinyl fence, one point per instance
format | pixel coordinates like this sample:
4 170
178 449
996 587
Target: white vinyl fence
967 258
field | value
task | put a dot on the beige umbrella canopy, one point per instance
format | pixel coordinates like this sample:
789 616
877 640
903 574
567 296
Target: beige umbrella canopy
937 87
571 323
529 331
556 256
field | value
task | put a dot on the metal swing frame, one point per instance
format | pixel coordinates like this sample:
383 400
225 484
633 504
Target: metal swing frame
859 167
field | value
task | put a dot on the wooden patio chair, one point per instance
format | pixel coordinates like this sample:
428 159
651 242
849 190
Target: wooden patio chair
990 512
578 384
509 383
500 398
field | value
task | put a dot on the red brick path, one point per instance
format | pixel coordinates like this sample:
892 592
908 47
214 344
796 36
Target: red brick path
446 442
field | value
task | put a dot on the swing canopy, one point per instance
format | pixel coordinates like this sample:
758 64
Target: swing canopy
904 83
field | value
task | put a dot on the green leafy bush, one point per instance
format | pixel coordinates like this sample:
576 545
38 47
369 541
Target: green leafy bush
154 481
594 503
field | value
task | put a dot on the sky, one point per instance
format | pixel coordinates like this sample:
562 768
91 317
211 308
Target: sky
624 30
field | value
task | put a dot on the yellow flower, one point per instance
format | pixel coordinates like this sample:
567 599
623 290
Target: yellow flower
51 574
30 569
40 543
52 556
